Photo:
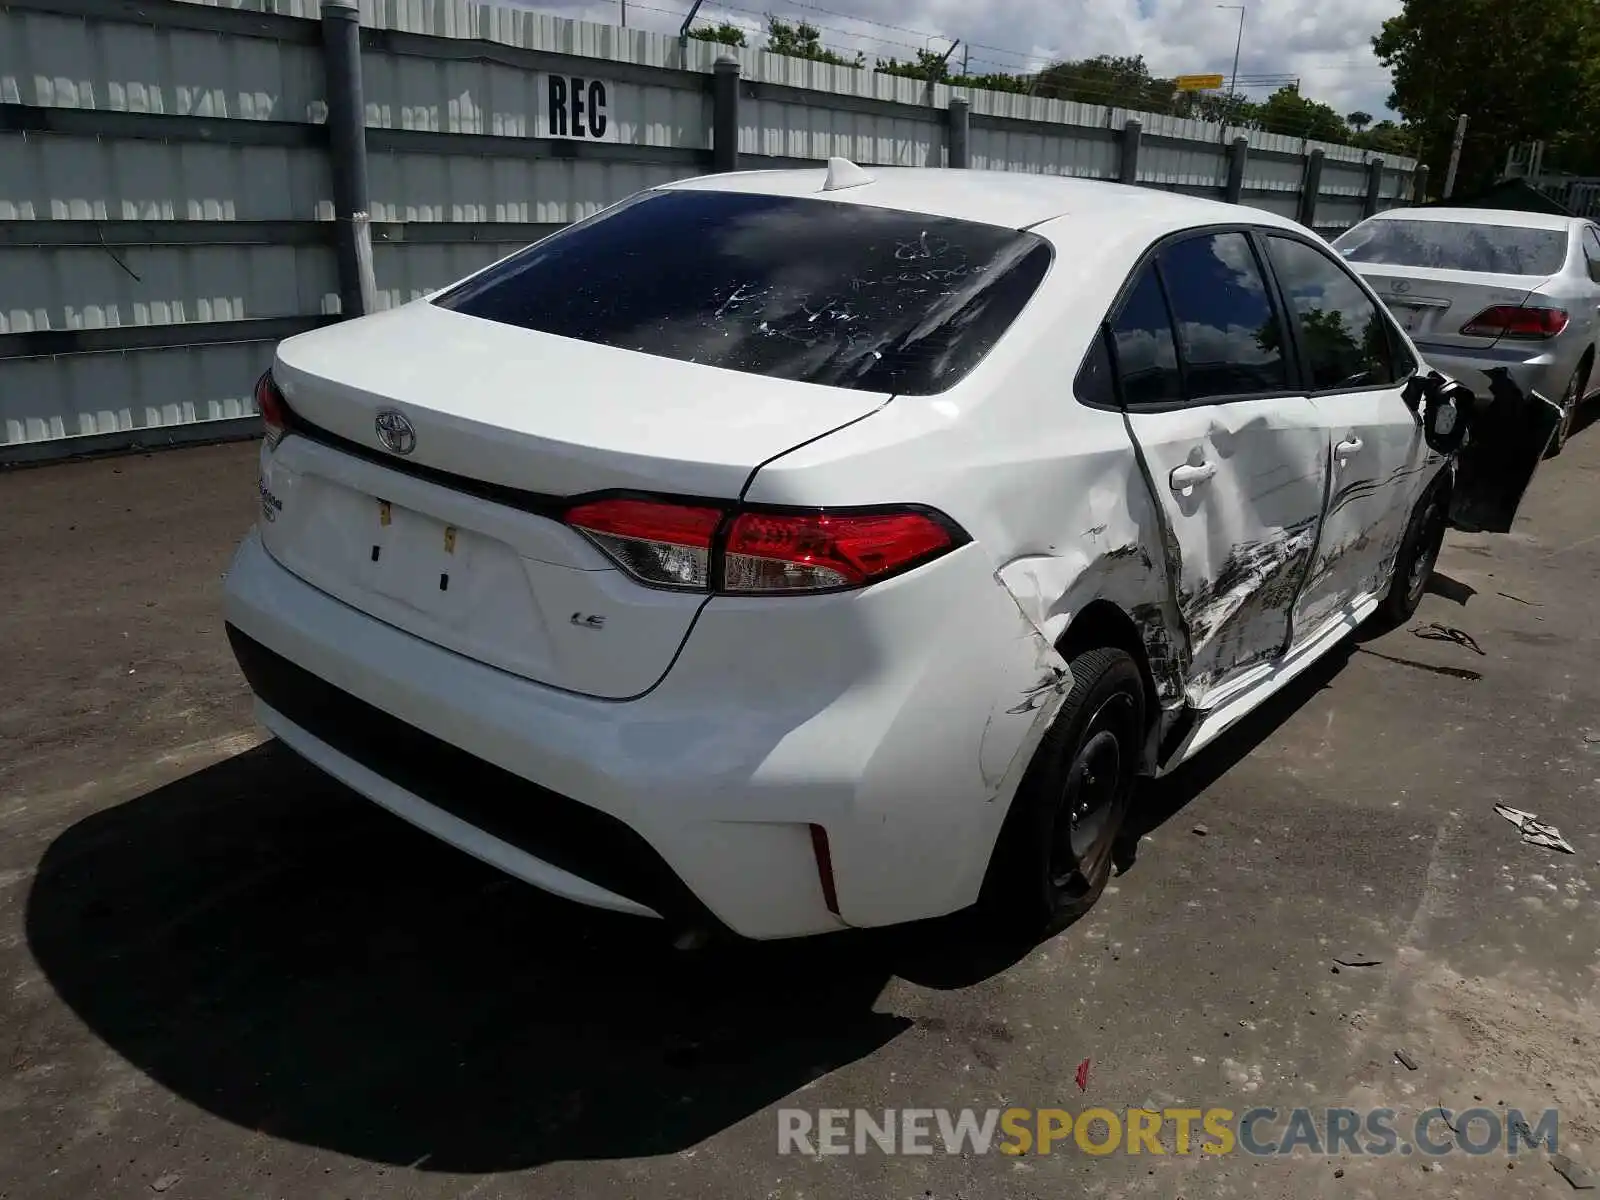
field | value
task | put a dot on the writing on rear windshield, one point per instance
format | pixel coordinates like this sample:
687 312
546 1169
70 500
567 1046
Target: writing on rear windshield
792 288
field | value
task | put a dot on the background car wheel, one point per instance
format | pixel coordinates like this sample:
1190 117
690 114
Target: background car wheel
1419 550
1570 400
1055 850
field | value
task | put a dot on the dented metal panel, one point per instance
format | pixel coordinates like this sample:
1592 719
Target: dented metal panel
1243 534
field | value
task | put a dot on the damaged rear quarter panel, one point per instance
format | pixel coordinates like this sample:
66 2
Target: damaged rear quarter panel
1048 489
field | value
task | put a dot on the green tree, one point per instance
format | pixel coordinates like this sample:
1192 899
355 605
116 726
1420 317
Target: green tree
1117 80
727 33
928 65
803 40
1358 120
1287 111
1520 71
1388 138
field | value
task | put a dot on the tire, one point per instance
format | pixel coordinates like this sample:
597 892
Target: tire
1419 550
1570 400
1044 875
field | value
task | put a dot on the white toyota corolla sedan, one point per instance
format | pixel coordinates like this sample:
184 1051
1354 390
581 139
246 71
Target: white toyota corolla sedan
789 551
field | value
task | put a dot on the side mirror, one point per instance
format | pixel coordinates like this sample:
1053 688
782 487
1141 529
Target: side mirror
1420 387
1444 417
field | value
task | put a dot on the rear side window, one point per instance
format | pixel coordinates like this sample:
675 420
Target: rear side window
791 288
1591 252
1456 246
1345 337
1228 332
1147 358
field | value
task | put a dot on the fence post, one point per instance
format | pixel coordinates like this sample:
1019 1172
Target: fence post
960 124
1419 184
725 114
1238 156
1374 187
1131 132
347 161
1310 186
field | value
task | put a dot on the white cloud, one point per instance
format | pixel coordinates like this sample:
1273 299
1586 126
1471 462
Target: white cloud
1326 43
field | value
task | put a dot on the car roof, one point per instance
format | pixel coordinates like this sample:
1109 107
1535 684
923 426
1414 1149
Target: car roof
1010 198
1480 216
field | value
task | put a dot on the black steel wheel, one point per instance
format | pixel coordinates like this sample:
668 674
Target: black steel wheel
1055 850
1419 551
1571 399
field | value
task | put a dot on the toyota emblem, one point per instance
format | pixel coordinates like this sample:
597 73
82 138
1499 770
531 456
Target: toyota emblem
395 431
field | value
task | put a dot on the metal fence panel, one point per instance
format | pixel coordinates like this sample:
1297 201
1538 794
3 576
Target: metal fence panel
84 395
158 128
55 177
84 287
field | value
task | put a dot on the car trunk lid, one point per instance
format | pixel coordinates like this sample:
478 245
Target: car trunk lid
459 540
1433 304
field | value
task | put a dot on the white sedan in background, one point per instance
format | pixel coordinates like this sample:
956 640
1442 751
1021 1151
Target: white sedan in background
1491 297
790 551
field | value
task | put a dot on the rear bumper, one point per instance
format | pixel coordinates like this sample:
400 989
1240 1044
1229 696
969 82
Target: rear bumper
1530 369
695 801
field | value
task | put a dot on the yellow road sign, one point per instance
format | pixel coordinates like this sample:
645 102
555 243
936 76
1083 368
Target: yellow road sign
1198 83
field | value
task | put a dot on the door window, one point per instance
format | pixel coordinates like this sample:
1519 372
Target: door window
1229 336
1344 334
1147 359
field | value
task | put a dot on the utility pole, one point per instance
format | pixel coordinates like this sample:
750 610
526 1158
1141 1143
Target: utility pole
966 56
1455 155
1233 79
624 14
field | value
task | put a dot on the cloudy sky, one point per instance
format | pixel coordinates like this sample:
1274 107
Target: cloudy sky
1326 43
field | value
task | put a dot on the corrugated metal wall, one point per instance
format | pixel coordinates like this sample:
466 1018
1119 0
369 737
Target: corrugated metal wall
166 199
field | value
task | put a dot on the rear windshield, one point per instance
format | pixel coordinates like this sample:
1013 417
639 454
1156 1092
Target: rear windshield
811 290
1456 246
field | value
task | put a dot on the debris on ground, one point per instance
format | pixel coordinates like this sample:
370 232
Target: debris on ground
1201 830
1534 831
1359 960
165 1181
1082 1075
1435 632
1581 1178
1339 1174
1405 1060
1520 600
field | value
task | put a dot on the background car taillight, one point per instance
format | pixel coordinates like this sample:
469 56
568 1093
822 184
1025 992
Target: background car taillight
1514 321
699 548
274 412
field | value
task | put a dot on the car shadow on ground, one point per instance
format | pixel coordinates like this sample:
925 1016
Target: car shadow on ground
279 952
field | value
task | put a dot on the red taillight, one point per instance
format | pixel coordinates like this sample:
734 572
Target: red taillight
665 544
808 552
1513 321
662 544
274 412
